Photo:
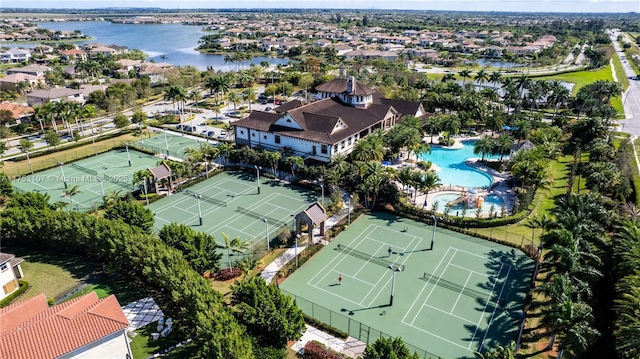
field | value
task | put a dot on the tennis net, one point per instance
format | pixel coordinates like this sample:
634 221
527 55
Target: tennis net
252 214
367 257
217 202
457 287
84 169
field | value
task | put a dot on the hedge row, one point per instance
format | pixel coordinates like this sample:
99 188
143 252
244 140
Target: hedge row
23 287
325 327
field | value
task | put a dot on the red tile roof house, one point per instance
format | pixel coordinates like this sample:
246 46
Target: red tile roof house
85 327
345 112
10 272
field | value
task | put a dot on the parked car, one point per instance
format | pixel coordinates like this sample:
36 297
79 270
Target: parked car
210 133
268 109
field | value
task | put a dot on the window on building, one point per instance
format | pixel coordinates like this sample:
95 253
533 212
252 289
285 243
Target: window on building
4 267
349 142
324 149
242 132
253 135
335 148
277 138
342 145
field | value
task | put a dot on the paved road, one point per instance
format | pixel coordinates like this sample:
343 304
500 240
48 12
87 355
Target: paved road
631 98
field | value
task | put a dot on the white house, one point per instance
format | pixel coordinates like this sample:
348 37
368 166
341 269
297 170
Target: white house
10 273
83 327
34 69
15 55
344 112
39 97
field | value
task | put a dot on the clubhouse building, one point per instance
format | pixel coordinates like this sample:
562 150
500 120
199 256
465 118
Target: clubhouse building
344 111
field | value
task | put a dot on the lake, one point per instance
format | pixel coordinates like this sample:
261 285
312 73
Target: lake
175 41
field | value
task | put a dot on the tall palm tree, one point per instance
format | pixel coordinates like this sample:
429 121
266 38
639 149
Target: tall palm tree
234 98
464 74
26 146
230 245
433 126
294 162
483 146
143 177
196 96
495 77
481 77
250 95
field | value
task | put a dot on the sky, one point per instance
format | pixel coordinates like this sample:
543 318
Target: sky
467 5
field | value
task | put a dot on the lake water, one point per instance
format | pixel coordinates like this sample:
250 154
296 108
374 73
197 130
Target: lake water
176 42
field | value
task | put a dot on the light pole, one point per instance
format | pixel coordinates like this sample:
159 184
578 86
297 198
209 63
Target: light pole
197 196
166 141
126 147
322 187
297 237
101 186
393 281
64 180
349 209
433 233
266 232
258 168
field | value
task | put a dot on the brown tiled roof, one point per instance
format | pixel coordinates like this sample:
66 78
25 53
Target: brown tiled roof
161 171
318 120
17 110
339 85
32 330
288 106
406 108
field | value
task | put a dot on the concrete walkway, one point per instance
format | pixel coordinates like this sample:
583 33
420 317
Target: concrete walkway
350 347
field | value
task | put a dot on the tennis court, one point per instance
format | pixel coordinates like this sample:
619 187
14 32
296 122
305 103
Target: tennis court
167 143
230 203
459 296
94 176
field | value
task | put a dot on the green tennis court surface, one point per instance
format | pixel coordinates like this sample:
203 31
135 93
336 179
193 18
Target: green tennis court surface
108 171
169 144
461 296
230 203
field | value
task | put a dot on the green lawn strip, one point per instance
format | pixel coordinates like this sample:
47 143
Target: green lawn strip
580 78
620 75
636 172
50 273
544 201
125 289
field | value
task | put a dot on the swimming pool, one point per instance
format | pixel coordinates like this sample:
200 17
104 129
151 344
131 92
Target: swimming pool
453 169
488 201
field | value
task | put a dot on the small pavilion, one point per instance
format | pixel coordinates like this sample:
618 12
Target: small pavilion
161 177
314 215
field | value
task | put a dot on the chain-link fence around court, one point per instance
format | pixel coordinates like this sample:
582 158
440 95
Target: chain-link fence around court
352 327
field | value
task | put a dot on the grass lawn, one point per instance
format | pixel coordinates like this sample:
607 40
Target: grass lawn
543 202
126 289
142 346
17 168
580 78
620 75
50 273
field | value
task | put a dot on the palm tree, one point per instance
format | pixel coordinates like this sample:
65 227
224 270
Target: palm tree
273 157
230 245
25 146
250 95
234 98
481 77
483 146
196 96
495 77
464 74
294 161
70 192
448 77
143 177
433 126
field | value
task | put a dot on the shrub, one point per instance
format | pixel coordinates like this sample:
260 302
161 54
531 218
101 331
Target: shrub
23 287
316 350
325 327
226 274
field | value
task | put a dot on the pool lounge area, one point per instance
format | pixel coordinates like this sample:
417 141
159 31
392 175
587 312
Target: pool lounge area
465 183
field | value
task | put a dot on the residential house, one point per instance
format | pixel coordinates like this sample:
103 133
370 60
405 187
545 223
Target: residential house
494 52
85 327
34 69
74 55
40 97
10 82
369 54
345 112
10 273
19 113
15 55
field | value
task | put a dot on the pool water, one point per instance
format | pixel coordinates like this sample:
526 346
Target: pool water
445 198
453 169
